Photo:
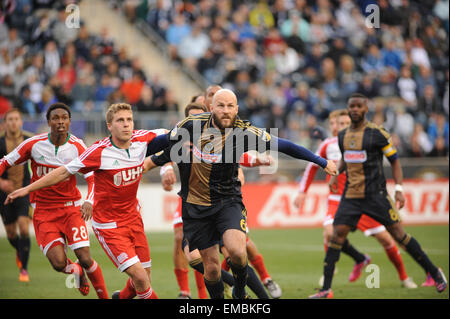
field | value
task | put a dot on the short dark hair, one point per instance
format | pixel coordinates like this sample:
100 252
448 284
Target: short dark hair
358 95
194 106
57 105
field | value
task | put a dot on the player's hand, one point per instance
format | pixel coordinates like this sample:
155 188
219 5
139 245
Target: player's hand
299 200
86 211
21 192
264 160
331 168
168 179
333 184
6 186
399 200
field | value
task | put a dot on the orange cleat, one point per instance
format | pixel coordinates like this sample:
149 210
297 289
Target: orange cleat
23 276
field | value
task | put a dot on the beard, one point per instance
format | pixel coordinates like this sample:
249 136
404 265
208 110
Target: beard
219 123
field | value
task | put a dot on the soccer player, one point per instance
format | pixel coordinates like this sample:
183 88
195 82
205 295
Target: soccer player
256 259
329 148
117 165
57 215
212 207
17 215
362 146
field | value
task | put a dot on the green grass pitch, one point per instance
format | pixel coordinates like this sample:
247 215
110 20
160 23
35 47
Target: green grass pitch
293 257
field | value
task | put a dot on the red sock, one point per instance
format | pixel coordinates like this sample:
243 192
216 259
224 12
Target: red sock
183 280
225 265
96 277
147 294
201 288
258 264
128 292
395 257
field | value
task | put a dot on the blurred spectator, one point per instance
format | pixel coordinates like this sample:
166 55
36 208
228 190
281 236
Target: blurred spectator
27 106
176 32
145 103
193 46
159 17
61 33
428 105
287 60
41 32
52 60
438 128
419 145
132 88
368 87
103 90
424 79
348 77
82 92
48 98
407 87
372 62
67 76
239 29
295 27
390 56
404 123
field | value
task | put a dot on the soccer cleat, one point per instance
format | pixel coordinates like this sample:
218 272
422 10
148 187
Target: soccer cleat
323 294
246 296
227 291
440 281
23 276
273 288
184 296
429 282
357 269
409 283
115 294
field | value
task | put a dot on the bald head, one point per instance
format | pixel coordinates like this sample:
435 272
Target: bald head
224 108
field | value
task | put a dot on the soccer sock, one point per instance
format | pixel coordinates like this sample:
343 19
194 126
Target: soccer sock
146 294
255 284
129 292
14 242
240 274
225 265
95 275
331 258
352 252
258 263
183 280
215 288
201 288
395 257
416 252
24 251
197 264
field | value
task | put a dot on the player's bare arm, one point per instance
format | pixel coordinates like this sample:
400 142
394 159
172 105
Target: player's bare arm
148 165
397 173
54 177
168 177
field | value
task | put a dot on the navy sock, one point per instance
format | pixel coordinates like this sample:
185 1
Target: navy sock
331 258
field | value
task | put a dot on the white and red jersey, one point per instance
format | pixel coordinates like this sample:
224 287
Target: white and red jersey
328 149
45 157
117 173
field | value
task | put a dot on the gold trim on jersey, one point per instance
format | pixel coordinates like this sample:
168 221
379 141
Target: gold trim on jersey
353 140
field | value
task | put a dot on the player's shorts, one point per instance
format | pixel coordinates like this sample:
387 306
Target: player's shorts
125 245
207 231
11 212
55 226
380 207
177 219
366 224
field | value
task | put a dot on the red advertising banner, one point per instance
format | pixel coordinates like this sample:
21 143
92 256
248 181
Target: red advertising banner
271 205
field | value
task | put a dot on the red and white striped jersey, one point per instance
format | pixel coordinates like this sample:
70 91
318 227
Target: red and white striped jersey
328 149
45 157
117 173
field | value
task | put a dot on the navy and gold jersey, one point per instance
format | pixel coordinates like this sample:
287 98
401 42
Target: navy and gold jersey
362 151
210 173
19 175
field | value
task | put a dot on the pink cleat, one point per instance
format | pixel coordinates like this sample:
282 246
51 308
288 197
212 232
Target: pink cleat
429 282
357 269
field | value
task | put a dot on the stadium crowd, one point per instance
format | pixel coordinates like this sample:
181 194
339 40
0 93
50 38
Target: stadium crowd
43 61
290 62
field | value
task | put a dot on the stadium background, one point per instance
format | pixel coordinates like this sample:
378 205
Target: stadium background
290 62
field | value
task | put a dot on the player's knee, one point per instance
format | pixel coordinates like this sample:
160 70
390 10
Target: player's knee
58 264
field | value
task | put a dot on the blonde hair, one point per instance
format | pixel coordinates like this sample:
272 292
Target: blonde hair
337 113
114 108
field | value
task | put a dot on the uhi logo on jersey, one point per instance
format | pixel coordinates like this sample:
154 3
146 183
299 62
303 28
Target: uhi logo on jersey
355 156
43 170
128 176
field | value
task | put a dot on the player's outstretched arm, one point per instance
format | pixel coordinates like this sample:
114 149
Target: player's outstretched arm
297 151
54 177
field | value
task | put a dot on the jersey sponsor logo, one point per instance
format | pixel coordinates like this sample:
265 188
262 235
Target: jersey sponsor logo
122 257
205 157
129 176
355 156
43 170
